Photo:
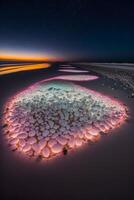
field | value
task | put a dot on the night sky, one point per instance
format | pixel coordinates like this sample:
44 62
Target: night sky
68 29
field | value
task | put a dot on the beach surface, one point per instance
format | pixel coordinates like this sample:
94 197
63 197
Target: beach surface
103 170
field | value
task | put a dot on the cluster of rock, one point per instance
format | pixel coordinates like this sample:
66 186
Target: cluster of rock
47 119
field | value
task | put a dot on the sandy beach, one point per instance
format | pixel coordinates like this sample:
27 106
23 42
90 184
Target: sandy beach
99 171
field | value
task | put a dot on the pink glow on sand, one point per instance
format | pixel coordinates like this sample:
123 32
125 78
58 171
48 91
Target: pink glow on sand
77 77
69 78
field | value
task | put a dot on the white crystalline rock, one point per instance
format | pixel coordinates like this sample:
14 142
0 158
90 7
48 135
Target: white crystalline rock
51 116
56 127
51 123
52 131
62 140
45 133
62 129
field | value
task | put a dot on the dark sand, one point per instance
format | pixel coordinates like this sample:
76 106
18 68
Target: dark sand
100 171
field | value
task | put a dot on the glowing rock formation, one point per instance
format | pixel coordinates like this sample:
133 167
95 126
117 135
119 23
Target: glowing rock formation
51 116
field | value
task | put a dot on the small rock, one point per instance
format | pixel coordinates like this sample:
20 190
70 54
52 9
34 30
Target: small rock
46 152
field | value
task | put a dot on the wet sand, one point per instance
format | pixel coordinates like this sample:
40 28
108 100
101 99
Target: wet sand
100 171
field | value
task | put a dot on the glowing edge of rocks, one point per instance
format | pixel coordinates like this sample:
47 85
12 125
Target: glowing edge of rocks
97 94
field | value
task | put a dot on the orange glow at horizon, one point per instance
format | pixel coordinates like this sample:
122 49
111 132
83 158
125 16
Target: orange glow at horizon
20 56
13 69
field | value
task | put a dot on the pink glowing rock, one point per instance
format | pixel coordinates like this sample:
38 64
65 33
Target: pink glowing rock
113 122
32 140
42 143
26 148
14 135
78 142
36 148
22 136
13 147
93 131
22 142
71 143
88 136
80 135
14 141
51 143
57 148
91 137
46 152
61 140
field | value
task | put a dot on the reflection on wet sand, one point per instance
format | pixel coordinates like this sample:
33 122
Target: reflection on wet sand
19 68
